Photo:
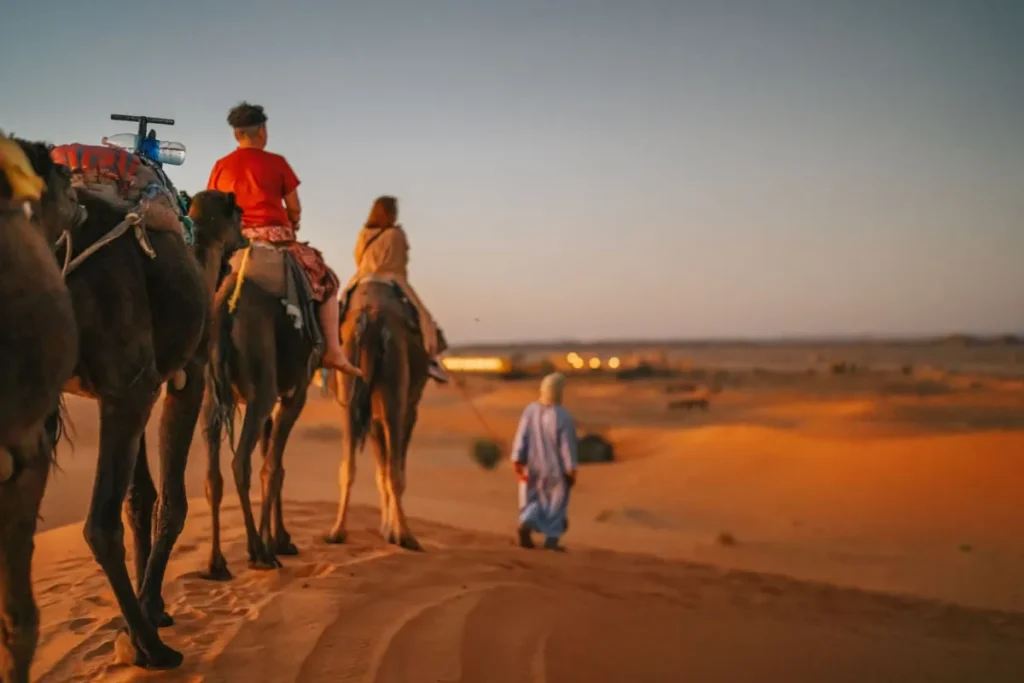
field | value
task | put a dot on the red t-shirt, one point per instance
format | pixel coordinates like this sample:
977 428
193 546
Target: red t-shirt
260 181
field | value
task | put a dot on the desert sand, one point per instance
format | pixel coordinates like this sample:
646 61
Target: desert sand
803 529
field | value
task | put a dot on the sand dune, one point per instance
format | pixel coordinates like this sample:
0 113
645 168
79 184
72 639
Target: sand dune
869 544
473 608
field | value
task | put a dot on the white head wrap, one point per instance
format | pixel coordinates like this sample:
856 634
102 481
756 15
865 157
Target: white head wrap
551 389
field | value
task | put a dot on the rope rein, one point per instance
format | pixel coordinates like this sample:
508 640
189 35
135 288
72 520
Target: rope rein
236 293
132 220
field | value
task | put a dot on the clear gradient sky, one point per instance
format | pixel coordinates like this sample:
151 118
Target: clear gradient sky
595 169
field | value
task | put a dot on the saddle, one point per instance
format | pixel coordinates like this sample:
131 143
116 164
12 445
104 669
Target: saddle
276 271
412 316
126 181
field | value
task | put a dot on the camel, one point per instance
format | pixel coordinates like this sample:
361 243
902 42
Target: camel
141 306
216 219
38 349
257 356
377 330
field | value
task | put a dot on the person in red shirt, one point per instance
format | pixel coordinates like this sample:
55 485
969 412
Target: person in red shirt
266 189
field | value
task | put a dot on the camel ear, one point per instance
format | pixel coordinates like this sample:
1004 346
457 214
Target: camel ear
232 205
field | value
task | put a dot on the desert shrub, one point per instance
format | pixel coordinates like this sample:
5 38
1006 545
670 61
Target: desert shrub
593 448
842 367
643 371
486 453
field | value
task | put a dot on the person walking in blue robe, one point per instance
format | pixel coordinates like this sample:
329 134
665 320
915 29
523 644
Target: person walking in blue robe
544 456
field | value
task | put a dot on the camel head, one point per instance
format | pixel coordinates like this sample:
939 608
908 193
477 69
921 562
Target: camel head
218 221
57 209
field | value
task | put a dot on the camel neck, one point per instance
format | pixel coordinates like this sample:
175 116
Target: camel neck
210 258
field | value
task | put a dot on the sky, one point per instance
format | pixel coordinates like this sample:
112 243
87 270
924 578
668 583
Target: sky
591 169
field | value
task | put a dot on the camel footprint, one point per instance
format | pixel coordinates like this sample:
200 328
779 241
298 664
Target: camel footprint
77 625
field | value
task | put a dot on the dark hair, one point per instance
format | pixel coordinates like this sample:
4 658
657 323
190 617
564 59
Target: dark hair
383 213
245 115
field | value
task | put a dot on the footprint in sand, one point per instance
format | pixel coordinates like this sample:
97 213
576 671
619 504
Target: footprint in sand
98 601
101 651
71 563
77 625
55 588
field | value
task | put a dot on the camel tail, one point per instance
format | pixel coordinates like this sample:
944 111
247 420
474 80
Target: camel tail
56 428
218 372
372 348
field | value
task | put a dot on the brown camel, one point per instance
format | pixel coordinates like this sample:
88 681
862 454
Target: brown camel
377 330
257 356
216 218
38 348
141 318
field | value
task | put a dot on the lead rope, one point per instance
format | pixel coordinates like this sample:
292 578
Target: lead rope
237 292
130 221
460 384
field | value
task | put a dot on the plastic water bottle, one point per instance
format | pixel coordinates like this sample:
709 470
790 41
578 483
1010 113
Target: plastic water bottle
122 140
163 152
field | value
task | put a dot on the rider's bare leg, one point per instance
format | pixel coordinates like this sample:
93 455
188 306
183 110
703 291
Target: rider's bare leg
334 356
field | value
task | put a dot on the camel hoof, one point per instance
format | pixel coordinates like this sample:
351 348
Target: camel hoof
287 548
217 571
410 543
155 655
264 561
264 565
158 617
336 538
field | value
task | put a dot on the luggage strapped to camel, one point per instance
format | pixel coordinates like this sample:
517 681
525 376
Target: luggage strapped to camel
128 181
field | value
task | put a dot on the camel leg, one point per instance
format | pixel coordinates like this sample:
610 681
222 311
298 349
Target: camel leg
346 478
19 615
394 443
410 424
256 414
217 569
380 453
266 432
288 413
177 426
121 426
138 508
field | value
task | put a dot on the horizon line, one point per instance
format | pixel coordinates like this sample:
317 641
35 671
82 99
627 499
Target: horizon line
1012 338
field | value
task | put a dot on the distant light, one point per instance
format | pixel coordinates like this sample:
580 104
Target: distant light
595 363
613 362
456 364
576 362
